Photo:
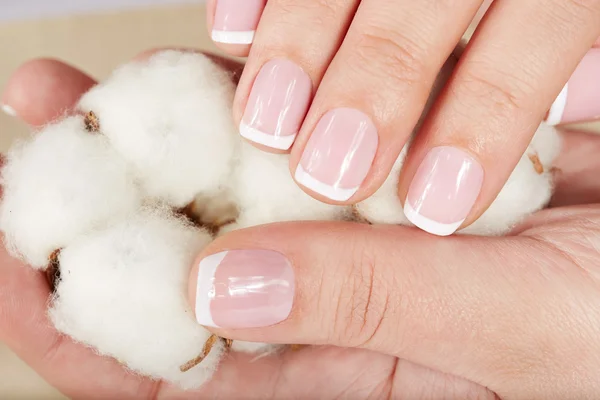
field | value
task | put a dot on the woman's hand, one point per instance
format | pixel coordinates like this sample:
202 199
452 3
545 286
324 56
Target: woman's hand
42 91
416 316
343 83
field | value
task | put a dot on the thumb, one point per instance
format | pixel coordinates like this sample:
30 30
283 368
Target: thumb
395 290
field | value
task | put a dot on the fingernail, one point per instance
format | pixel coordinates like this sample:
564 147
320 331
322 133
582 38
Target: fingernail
277 105
339 154
9 110
236 20
443 190
241 289
579 101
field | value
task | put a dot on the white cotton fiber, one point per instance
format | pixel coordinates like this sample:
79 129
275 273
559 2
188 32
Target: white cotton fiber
123 291
170 116
265 192
58 185
526 191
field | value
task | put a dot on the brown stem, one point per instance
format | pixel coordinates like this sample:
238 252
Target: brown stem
537 164
53 270
92 123
205 352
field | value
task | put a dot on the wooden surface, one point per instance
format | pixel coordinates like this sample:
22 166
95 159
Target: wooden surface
96 44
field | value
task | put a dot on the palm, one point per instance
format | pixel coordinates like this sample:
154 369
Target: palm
313 372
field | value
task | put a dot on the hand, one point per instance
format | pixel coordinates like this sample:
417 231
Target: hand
516 315
343 84
41 91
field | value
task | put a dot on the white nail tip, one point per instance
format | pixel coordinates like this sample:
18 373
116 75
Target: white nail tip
331 192
428 225
555 115
9 110
233 37
275 142
205 288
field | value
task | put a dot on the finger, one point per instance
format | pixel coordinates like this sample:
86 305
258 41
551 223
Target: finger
450 304
579 100
44 89
79 373
373 95
279 78
232 23
487 115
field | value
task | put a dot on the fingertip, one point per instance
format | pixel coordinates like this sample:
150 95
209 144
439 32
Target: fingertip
236 44
42 89
232 24
192 284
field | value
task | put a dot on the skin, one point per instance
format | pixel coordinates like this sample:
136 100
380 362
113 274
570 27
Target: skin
381 57
474 318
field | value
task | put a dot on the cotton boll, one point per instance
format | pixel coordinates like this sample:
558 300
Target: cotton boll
58 185
526 191
266 192
384 206
546 144
170 116
123 291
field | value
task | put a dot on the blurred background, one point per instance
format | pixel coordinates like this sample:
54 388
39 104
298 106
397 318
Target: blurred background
96 36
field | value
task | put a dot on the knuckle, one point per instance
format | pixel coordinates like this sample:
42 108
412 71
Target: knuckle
503 95
390 52
316 8
363 301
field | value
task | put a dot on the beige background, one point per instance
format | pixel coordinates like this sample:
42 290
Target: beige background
96 44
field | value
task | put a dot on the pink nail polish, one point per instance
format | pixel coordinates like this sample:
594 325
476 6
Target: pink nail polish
236 20
277 105
579 101
240 289
339 154
443 190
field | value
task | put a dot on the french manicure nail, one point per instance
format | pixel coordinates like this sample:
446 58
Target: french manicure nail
8 110
236 20
241 289
579 101
339 154
443 190
277 105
